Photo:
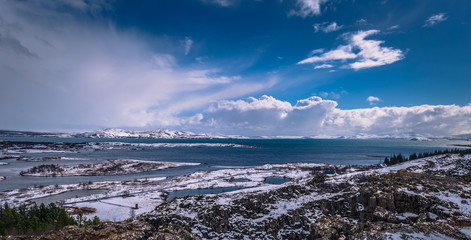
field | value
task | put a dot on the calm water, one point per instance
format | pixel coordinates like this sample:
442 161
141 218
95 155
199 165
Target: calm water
332 151
195 192
70 194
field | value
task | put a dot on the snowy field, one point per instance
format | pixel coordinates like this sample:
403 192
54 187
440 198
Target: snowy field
121 197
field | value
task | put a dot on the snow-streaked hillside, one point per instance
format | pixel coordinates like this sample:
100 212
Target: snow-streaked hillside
157 133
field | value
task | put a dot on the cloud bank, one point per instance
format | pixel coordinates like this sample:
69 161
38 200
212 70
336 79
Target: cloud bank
315 116
359 53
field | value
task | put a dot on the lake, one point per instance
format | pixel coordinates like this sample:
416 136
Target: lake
267 151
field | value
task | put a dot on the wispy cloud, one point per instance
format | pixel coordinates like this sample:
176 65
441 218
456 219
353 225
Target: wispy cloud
343 52
222 3
187 44
316 51
361 22
12 44
323 66
435 19
307 8
90 76
361 52
331 95
327 27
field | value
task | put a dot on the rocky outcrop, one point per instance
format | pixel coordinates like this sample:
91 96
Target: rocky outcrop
110 167
371 206
416 199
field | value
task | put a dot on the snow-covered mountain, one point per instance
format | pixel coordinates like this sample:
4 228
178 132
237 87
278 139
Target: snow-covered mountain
157 133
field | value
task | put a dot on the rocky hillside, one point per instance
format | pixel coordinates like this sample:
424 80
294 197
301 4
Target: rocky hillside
427 198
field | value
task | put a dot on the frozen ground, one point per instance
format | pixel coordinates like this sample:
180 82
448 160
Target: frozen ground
120 199
110 167
172 145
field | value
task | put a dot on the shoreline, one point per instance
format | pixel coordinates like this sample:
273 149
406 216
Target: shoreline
396 196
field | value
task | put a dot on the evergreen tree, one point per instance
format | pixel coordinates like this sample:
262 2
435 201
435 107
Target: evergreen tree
23 220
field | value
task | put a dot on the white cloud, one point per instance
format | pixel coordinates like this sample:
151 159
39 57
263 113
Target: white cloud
361 22
341 53
187 44
307 8
365 53
316 51
426 120
371 53
315 116
327 27
59 71
373 99
332 95
222 3
324 94
323 66
267 115
435 19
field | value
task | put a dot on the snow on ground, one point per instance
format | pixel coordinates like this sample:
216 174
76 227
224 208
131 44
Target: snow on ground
173 145
463 205
228 178
26 150
155 134
466 231
119 201
437 164
122 208
110 167
417 236
148 194
295 165
406 215
282 207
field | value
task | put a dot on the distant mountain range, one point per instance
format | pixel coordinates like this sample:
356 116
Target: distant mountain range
114 133
171 134
156 134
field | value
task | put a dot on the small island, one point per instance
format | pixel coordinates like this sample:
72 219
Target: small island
110 167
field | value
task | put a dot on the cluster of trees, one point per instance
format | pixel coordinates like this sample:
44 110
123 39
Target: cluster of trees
395 159
33 220
45 169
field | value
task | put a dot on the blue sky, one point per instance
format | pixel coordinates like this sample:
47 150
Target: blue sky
266 38
253 67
